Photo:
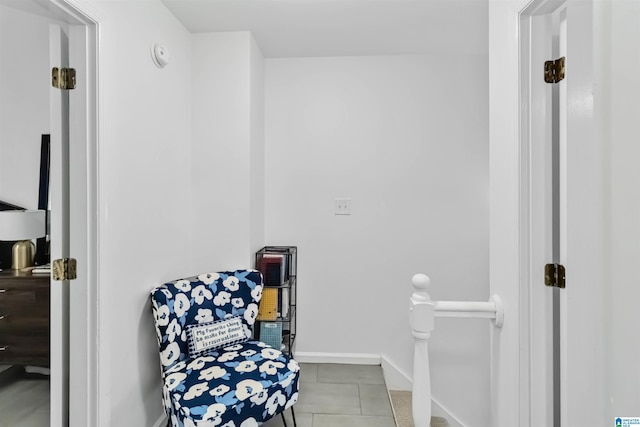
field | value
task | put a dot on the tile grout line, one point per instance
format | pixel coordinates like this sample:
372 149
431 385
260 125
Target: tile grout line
364 386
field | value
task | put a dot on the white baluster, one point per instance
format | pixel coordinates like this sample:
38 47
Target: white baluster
421 318
422 314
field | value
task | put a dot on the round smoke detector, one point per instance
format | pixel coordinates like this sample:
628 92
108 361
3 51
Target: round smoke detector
160 55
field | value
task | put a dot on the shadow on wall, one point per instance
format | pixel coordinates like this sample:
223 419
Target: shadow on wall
148 368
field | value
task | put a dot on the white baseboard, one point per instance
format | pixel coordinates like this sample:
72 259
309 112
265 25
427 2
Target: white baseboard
437 410
341 358
161 422
394 377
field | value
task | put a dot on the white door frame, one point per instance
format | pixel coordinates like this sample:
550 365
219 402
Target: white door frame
510 362
84 388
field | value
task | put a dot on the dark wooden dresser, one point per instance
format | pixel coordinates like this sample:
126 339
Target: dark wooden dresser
24 318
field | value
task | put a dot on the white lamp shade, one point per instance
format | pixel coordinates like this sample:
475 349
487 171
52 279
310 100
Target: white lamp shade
22 225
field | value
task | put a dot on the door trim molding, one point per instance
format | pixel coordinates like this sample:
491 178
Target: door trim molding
509 214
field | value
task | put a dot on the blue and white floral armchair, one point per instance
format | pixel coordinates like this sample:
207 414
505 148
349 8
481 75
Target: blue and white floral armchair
242 383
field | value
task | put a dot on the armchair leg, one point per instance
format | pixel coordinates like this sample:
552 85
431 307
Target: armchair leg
293 415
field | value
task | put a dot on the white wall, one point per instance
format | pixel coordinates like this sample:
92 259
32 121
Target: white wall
257 150
374 129
144 197
406 137
227 152
25 77
177 147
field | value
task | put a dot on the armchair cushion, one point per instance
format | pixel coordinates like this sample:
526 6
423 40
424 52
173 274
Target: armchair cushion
250 378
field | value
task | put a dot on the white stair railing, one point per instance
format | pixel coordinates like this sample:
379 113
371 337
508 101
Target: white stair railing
422 314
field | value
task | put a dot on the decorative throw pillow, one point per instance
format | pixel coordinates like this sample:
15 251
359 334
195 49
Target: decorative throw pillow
206 337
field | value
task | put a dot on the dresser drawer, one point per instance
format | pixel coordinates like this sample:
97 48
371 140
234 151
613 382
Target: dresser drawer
23 295
25 350
27 322
24 307
24 318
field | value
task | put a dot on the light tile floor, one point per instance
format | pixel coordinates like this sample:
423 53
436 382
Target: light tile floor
25 403
330 396
340 396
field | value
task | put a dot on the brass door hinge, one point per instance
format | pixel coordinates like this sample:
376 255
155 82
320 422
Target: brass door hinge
554 70
554 275
64 269
63 78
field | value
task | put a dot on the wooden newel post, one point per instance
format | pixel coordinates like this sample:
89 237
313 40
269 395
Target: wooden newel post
421 318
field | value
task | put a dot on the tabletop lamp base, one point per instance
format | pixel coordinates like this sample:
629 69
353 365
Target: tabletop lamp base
23 252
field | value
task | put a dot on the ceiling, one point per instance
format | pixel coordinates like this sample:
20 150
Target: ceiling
297 28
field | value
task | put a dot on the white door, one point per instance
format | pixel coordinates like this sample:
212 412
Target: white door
621 39
567 205
59 191
583 201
